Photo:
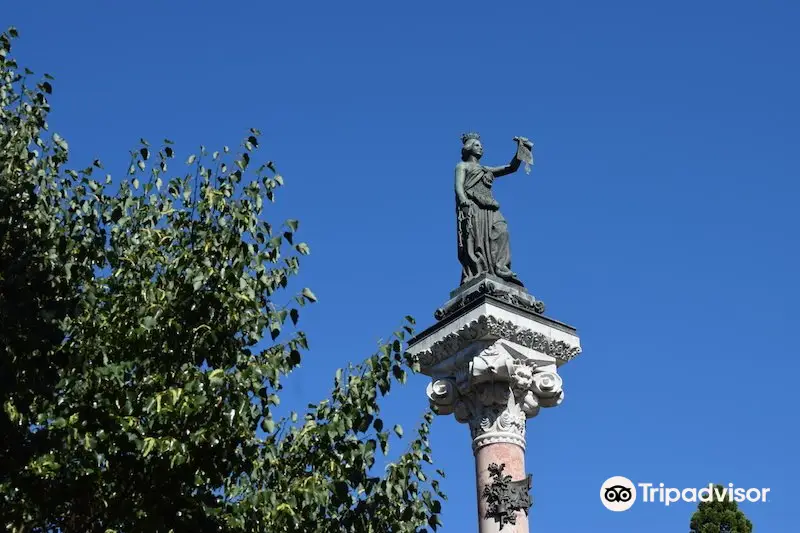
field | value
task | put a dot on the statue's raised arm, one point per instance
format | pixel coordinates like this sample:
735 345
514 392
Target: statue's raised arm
522 155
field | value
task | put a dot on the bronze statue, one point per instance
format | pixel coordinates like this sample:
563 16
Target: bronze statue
483 243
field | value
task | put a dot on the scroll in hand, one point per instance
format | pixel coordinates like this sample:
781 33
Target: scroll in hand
525 152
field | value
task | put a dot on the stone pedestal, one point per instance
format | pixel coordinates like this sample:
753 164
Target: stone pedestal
493 359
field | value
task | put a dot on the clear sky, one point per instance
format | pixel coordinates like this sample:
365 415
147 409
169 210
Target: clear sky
660 218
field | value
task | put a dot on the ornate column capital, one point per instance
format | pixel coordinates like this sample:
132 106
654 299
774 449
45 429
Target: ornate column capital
494 364
496 389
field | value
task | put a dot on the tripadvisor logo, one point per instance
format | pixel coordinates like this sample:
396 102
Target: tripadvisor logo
619 493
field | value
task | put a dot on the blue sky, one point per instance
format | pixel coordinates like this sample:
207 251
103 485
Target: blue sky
660 218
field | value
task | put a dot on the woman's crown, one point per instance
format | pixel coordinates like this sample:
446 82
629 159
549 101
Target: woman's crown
470 136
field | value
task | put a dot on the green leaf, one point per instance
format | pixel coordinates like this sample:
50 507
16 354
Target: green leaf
267 425
149 443
309 295
398 429
60 142
216 376
399 374
275 330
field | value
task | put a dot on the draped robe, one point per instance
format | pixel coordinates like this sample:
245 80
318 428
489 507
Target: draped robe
483 243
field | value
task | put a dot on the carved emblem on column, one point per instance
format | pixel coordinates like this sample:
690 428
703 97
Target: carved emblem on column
505 497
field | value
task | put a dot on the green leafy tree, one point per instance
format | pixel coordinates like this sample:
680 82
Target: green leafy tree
145 331
719 516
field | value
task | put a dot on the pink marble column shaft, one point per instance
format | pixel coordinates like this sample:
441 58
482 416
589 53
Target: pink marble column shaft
513 457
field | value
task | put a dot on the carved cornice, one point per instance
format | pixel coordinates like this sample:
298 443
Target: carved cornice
490 327
512 297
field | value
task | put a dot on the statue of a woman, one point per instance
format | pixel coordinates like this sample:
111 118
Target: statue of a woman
483 245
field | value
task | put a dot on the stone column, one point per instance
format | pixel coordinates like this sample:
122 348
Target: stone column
512 458
493 364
